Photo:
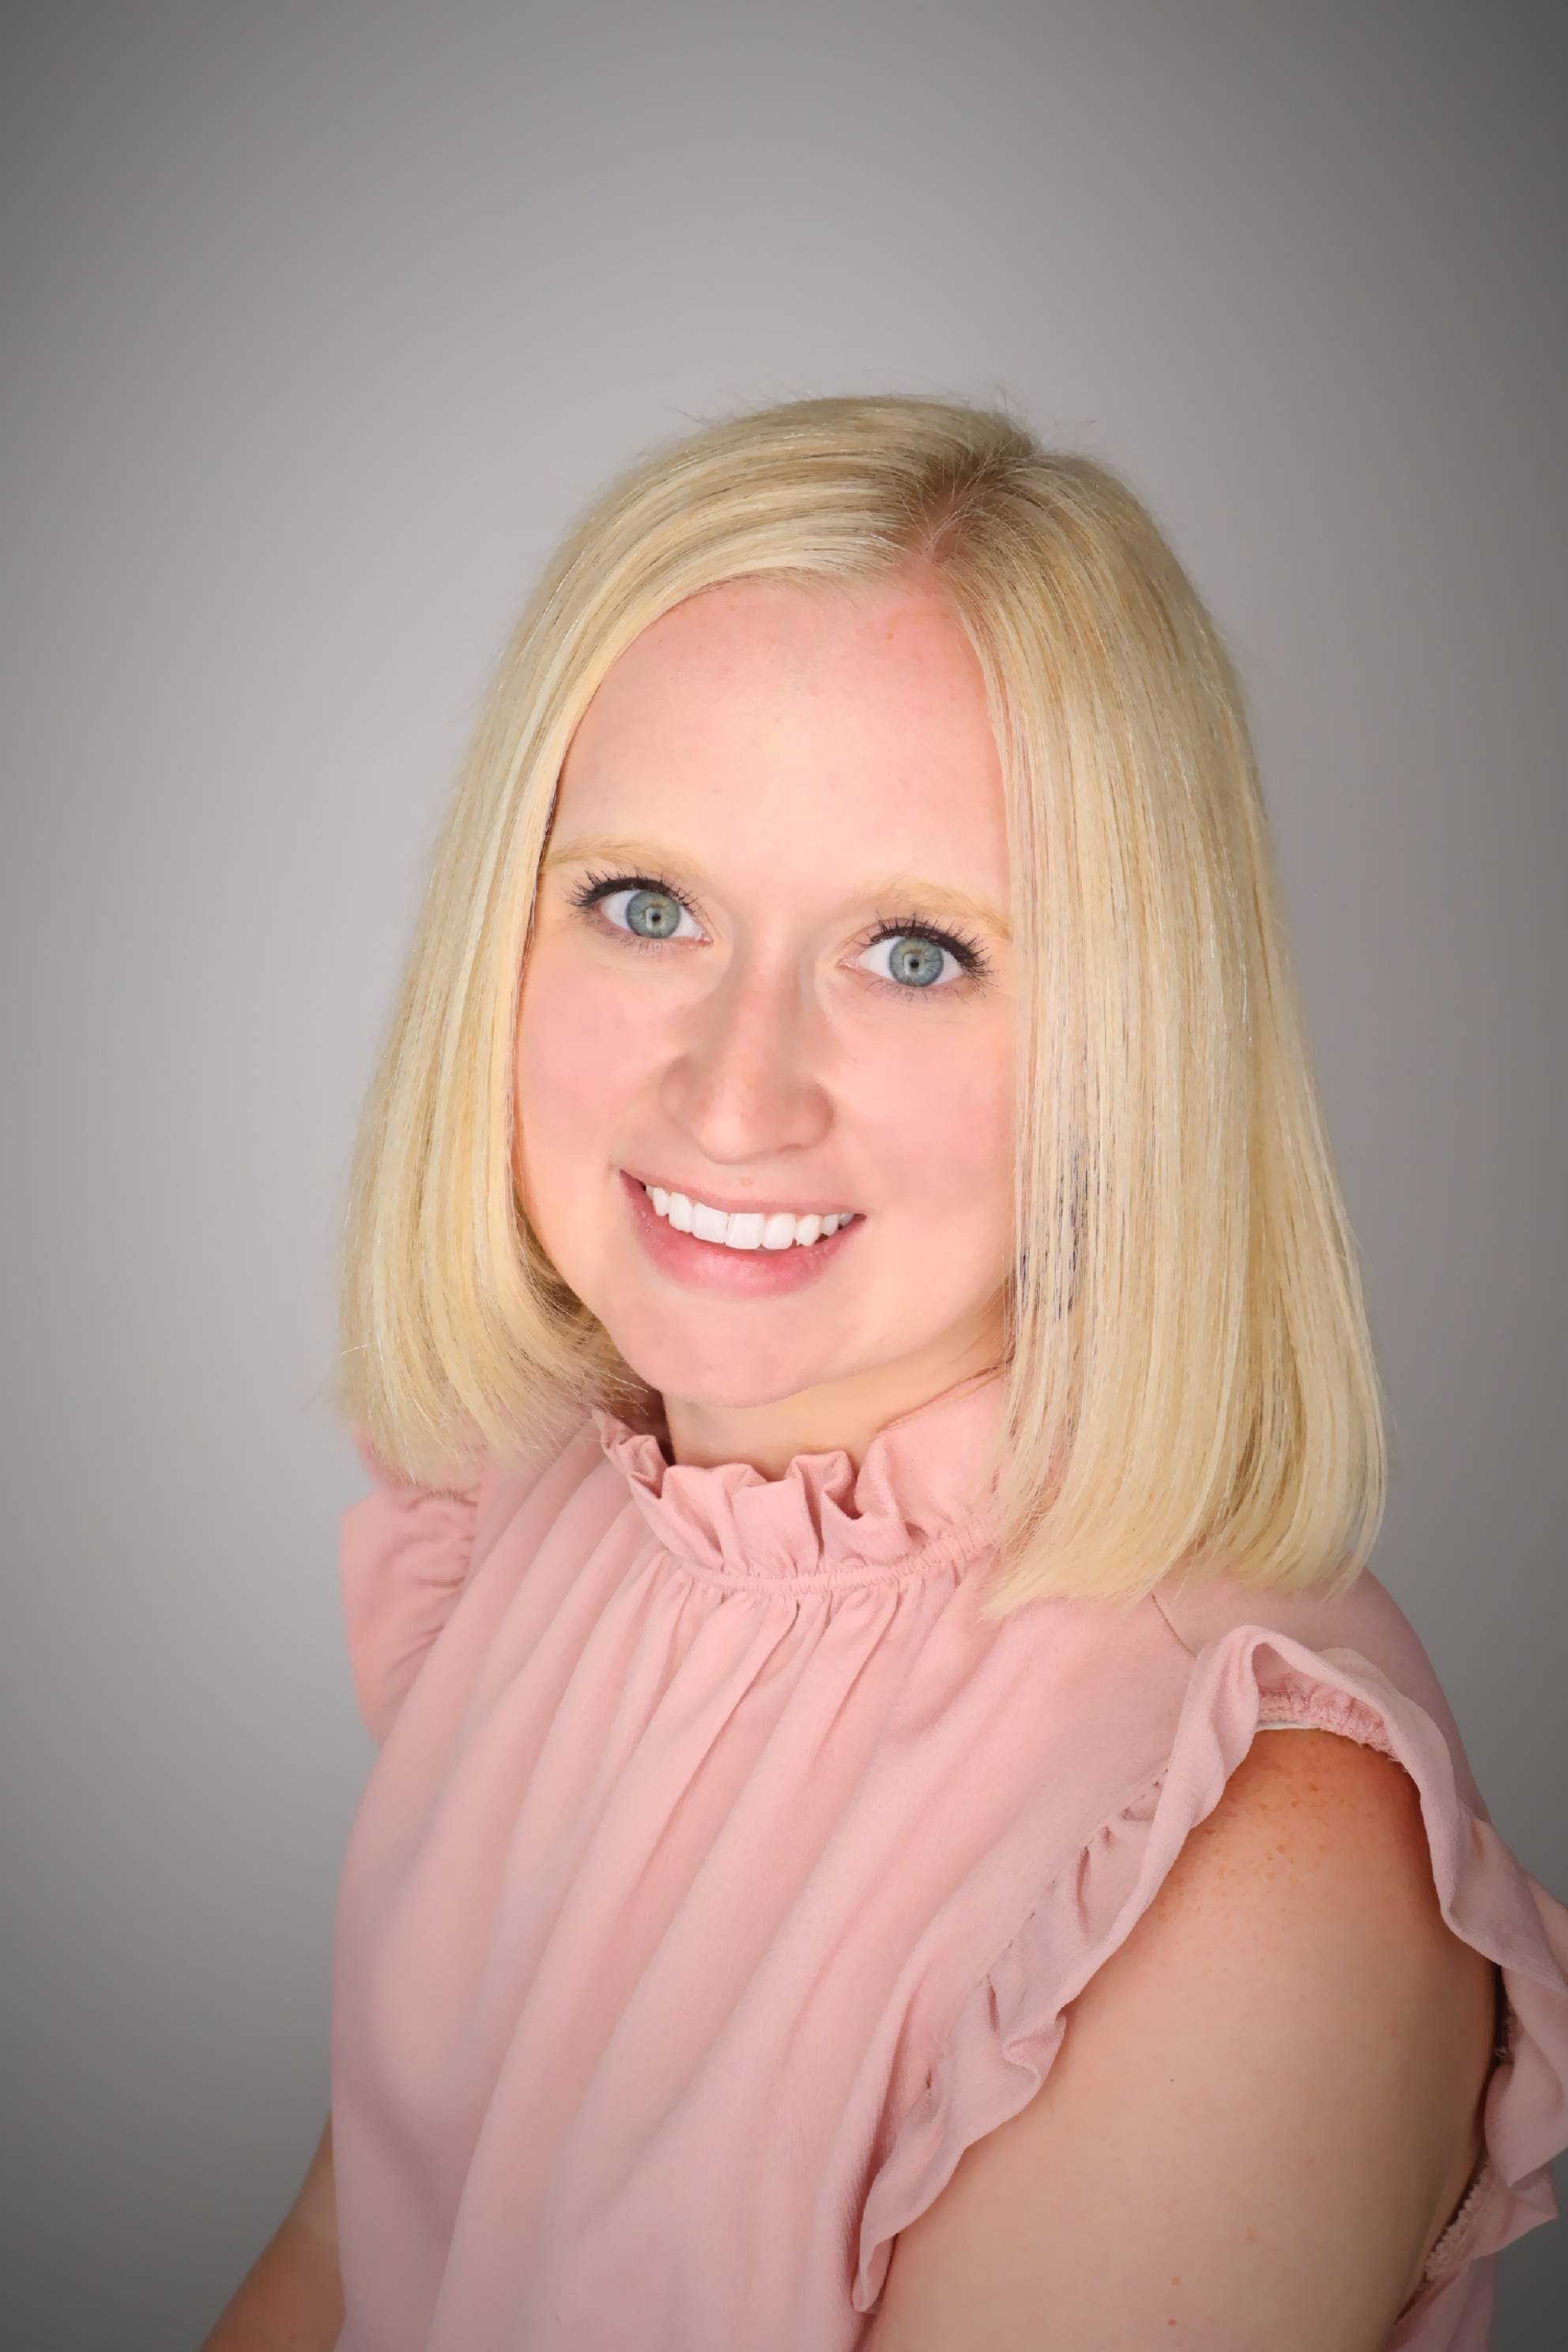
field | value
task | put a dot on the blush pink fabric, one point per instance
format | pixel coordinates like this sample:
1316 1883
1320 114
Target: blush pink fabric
721 1877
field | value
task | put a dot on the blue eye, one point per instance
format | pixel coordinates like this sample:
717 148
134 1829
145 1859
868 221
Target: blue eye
917 959
917 972
645 888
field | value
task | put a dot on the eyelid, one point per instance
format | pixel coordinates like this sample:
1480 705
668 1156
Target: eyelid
593 886
967 951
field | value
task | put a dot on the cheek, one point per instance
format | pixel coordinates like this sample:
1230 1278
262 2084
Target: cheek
577 1056
940 1119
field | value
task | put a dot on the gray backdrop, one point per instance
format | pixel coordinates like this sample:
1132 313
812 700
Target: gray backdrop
319 322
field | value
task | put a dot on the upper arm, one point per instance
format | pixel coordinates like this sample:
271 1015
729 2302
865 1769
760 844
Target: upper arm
1265 2105
316 2205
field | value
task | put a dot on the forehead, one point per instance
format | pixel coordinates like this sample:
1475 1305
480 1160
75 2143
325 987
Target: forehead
758 686
803 631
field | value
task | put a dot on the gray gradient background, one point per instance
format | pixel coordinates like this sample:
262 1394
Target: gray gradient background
319 322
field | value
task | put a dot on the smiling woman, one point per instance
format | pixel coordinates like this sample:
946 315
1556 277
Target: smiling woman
771 1029
855 1338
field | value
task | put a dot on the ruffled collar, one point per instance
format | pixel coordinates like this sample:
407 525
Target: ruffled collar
913 1505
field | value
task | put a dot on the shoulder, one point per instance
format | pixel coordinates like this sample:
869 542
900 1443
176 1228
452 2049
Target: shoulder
1362 1616
1287 2052
407 1552
1345 1660
1299 1940
1312 1872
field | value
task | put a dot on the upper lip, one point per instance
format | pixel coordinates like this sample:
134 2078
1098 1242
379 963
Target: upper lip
751 1207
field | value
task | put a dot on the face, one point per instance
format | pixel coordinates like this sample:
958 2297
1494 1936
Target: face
770 971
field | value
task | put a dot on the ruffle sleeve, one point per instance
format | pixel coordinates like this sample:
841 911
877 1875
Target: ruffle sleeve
1001 2044
404 1553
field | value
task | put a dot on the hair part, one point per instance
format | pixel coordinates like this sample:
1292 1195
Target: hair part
1190 1377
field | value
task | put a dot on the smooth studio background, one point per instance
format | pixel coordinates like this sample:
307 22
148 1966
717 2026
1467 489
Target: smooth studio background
320 321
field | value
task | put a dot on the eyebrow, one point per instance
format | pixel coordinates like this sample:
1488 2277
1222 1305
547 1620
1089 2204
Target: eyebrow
904 892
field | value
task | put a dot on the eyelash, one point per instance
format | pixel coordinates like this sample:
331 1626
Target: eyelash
970 957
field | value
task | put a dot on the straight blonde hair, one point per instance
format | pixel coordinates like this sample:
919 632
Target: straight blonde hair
1190 1381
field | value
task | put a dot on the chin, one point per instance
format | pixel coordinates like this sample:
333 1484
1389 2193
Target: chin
723 1378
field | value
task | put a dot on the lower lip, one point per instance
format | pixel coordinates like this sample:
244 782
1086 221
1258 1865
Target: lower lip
729 1272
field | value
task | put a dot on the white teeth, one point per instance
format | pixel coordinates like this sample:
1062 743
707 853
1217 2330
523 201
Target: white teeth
742 1229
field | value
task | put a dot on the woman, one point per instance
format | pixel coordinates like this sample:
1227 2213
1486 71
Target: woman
853 1327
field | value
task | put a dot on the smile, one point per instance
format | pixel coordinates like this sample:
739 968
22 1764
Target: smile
739 1253
743 1229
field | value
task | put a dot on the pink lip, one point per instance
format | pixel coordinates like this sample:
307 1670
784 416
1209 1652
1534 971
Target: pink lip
726 1272
740 1208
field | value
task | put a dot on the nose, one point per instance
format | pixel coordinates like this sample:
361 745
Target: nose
746 1081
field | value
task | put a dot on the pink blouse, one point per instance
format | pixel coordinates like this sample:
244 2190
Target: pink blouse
721 1877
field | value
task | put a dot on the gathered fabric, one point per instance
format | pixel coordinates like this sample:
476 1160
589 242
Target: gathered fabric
721 1877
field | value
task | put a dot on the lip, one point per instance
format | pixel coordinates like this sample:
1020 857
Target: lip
746 1208
710 1267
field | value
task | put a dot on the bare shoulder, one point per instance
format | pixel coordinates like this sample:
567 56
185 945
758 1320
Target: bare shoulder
1286 2056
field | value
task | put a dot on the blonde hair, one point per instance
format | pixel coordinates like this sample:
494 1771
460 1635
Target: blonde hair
1189 1375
